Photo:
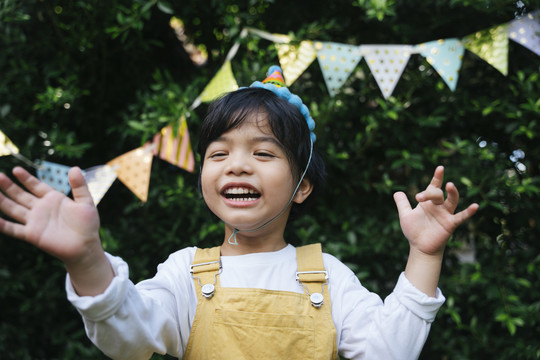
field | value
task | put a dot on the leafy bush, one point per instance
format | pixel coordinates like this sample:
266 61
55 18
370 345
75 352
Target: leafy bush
85 81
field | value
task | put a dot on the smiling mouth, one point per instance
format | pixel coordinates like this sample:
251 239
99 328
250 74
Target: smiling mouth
241 194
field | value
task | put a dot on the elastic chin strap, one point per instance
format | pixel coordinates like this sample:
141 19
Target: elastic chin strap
232 239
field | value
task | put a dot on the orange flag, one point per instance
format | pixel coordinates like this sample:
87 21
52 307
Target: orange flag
175 149
133 170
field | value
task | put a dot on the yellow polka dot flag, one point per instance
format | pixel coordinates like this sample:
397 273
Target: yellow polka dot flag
6 146
491 45
337 62
133 170
295 59
445 56
386 63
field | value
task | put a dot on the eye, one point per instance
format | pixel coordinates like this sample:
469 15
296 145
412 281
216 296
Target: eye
217 155
264 154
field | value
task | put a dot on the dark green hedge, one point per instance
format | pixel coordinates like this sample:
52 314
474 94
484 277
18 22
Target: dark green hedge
124 74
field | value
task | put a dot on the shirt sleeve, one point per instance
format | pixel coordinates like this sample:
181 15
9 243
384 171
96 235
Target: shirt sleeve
133 322
369 328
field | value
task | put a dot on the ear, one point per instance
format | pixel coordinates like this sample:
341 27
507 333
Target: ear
304 190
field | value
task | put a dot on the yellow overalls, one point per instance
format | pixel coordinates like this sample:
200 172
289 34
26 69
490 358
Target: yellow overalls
233 323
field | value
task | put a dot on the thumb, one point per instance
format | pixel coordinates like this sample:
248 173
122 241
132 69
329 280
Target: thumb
79 188
402 203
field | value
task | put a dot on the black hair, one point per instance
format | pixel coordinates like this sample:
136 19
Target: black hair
285 121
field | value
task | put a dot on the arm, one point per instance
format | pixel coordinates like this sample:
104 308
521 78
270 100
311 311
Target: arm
428 227
66 229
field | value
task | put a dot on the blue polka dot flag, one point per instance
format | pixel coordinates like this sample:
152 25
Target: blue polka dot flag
55 175
337 62
445 56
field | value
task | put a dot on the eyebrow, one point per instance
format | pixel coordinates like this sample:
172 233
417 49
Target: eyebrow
256 139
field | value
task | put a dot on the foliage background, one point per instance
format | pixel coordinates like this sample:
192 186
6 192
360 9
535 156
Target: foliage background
125 75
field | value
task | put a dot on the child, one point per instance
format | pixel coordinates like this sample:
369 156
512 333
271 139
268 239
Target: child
255 296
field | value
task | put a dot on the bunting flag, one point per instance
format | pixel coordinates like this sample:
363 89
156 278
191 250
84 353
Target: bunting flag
526 31
175 148
133 170
223 82
337 62
445 56
55 175
295 59
99 179
387 63
6 146
491 45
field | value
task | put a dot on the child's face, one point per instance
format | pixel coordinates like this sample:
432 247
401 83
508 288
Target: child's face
246 177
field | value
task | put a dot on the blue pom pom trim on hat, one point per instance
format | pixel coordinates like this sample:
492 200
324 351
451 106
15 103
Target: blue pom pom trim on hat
285 93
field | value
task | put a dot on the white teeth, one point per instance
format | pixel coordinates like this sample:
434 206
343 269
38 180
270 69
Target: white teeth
238 190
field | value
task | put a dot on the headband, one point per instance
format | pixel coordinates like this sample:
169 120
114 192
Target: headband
275 83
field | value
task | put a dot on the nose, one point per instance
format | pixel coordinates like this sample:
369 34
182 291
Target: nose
238 163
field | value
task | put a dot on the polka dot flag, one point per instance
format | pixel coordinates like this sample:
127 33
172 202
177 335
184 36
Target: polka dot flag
445 56
490 45
295 59
337 62
6 146
387 63
133 170
526 31
55 175
99 179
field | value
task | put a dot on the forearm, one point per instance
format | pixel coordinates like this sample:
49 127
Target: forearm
423 270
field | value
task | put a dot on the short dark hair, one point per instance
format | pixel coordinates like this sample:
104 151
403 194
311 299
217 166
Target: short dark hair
285 121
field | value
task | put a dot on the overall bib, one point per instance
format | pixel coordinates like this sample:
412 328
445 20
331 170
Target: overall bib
233 323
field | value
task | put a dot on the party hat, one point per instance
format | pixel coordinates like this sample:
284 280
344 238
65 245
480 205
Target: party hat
274 76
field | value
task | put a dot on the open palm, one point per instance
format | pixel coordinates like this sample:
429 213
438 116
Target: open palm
47 218
431 223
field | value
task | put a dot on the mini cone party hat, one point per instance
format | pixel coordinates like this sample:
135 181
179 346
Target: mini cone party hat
274 76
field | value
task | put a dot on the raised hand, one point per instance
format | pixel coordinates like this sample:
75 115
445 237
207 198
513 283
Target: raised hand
65 228
429 225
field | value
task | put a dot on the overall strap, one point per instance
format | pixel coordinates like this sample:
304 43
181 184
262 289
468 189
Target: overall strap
311 272
205 268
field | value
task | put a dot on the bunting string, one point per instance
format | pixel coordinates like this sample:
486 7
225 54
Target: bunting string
336 60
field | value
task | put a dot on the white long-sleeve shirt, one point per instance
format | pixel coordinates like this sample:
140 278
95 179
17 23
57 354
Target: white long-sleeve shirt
132 321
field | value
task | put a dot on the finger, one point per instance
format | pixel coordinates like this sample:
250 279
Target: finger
402 203
13 210
438 177
433 194
79 188
466 214
452 198
31 183
12 229
15 192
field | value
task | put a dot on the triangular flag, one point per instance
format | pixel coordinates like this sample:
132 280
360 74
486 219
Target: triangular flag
337 62
55 175
490 45
387 63
445 56
6 146
526 31
133 169
295 59
99 179
223 82
175 149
